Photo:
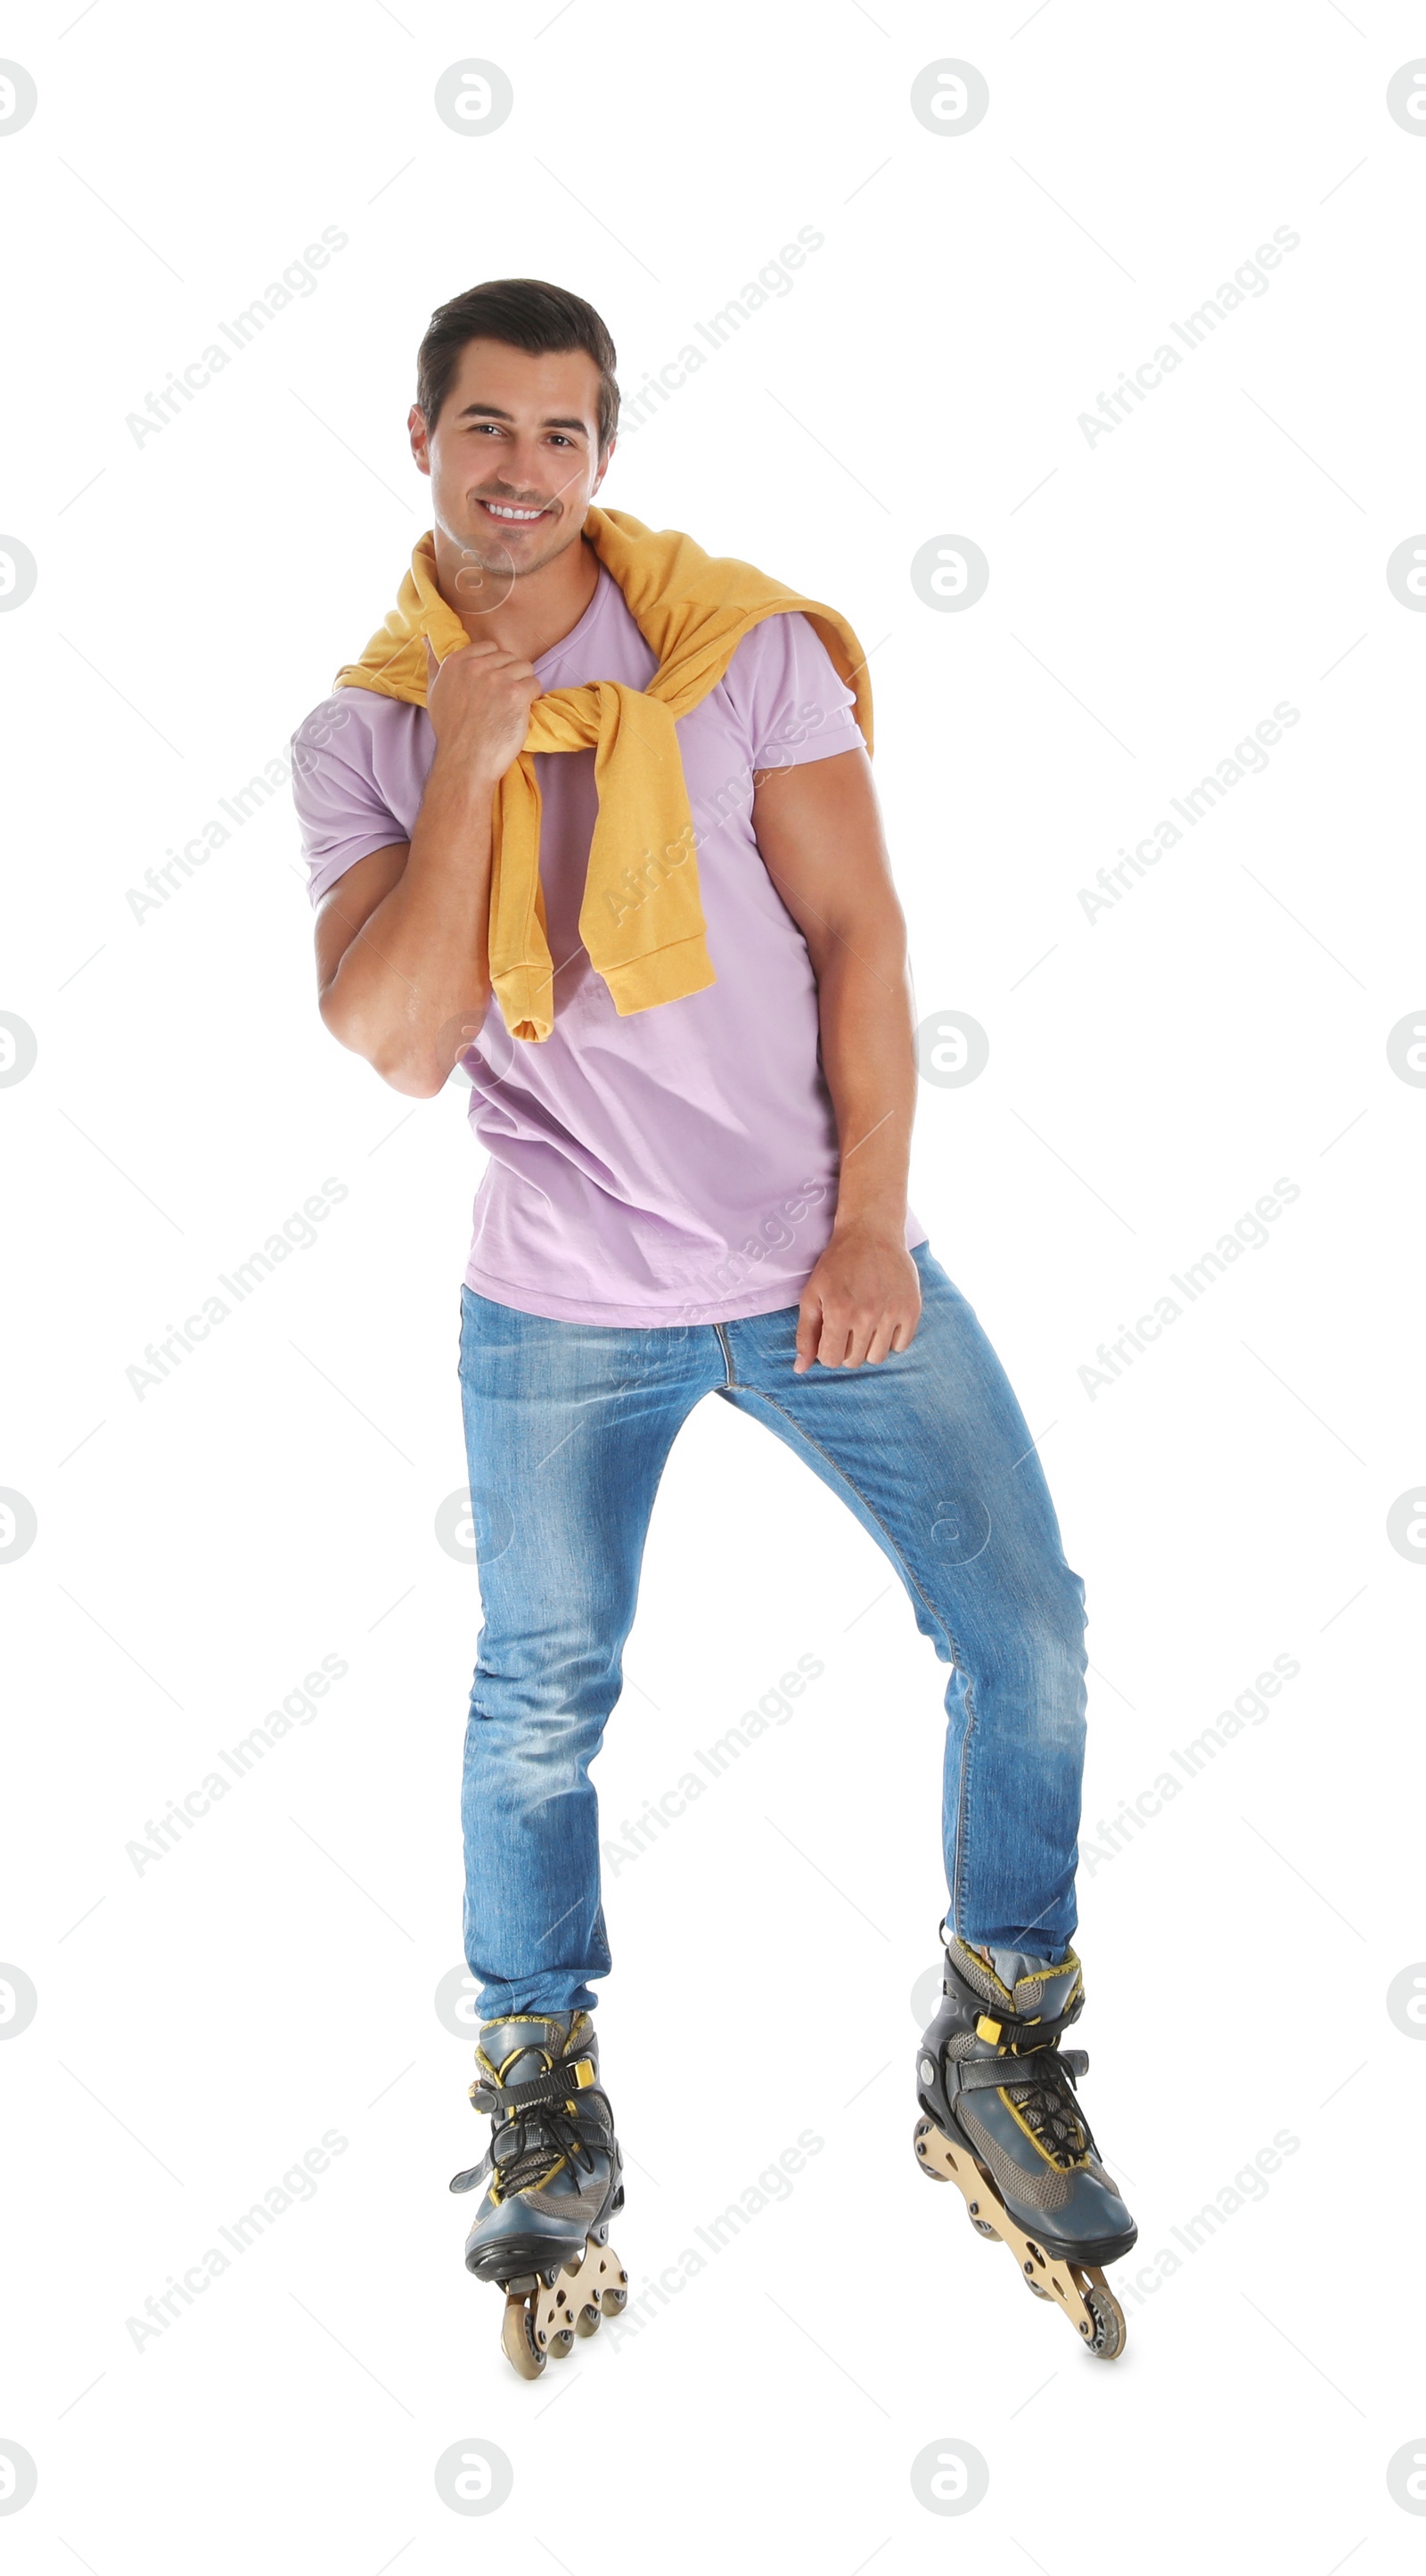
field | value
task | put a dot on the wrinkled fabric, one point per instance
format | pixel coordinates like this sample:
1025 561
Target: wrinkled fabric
647 939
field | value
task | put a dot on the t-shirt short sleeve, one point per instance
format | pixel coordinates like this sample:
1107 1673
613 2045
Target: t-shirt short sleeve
340 808
795 708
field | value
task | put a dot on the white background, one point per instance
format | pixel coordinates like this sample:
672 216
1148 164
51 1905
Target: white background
1151 1074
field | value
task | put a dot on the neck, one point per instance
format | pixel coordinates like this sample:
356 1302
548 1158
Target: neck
530 613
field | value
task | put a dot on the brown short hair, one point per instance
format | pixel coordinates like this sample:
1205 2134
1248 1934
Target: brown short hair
525 313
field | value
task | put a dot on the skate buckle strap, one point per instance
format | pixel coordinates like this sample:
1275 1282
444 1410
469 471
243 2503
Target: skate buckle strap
984 2074
572 2075
1014 2034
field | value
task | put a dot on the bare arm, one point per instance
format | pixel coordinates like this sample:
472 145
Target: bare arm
403 973
819 830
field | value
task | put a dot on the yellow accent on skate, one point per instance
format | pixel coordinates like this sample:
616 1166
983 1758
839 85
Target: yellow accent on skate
1077 2161
983 1959
987 2029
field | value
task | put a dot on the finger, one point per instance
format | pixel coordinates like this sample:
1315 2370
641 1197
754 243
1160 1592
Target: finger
902 1320
809 1328
882 1340
461 652
832 1344
859 1339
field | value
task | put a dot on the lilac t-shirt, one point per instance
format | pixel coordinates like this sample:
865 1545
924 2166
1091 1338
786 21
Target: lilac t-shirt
678 1166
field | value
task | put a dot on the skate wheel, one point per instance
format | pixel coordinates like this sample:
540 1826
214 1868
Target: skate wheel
919 2136
613 2302
517 2338
1108 2341
561 2343
588 2320
982 2226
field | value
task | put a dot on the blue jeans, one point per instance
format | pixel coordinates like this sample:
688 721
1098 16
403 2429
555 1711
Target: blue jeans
568 1428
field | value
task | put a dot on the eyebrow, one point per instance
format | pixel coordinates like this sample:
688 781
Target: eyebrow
492 411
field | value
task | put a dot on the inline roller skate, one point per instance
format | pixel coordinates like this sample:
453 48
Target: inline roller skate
554 2168
1000 2118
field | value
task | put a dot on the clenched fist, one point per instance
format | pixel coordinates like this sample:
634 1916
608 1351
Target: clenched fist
479 700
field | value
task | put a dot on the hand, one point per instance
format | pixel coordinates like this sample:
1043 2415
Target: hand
479 700
862 1300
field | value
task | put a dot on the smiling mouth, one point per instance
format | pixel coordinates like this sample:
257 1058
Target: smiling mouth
511 515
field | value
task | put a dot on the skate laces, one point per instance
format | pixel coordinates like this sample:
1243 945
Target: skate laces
539 2135
1046 2106
532 2140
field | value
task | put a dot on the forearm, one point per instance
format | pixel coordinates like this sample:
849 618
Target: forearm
419 966
868 1057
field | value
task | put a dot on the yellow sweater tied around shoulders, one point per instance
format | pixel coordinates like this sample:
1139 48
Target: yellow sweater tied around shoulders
641 919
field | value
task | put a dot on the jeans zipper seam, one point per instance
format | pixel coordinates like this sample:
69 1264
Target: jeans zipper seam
730 1379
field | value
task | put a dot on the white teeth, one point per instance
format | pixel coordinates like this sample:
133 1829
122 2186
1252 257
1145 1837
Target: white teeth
501 512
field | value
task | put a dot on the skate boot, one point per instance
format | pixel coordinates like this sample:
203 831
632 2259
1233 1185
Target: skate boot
1000 2118
542 2228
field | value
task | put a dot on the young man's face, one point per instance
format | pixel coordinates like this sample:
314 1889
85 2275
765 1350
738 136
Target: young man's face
515 432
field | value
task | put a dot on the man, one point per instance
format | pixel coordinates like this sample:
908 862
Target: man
593 815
